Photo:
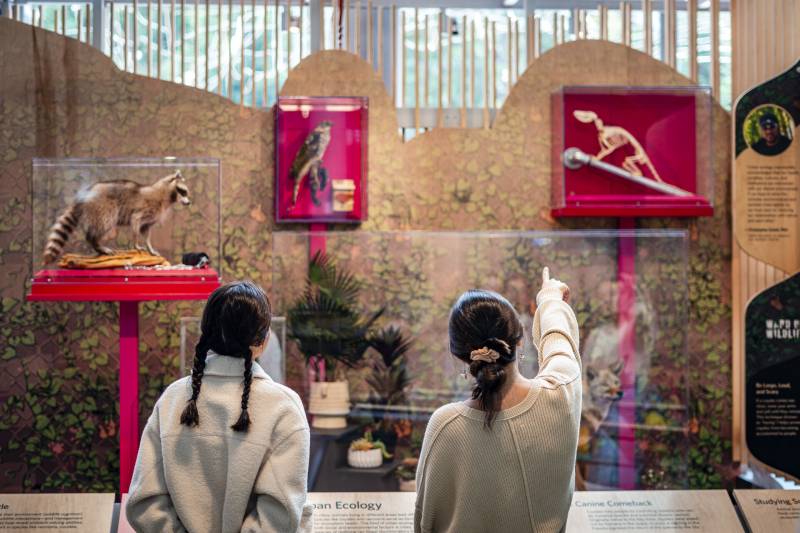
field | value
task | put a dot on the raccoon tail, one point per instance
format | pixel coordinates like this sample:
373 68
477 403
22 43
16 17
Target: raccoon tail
60 232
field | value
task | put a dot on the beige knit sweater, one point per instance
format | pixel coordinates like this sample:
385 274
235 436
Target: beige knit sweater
518 476
212 479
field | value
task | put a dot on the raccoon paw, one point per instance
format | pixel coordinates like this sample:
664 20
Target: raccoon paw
104 250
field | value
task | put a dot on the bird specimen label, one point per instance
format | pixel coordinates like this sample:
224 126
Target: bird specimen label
631 152
321 159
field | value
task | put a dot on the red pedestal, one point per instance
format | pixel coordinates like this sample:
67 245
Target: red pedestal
128 287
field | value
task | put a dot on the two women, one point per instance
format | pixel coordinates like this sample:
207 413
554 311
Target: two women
502 461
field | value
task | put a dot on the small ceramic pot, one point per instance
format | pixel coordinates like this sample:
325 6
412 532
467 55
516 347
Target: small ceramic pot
365 458
408 485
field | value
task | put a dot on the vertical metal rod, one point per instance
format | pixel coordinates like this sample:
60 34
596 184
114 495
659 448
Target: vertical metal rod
172 41
516 49
183 41
449 30
427 60
230 49
486 72
265 47
555 29
369 32
78 22
158 39
241 59
347 25
464 71
416 70
219 46
300 33
135 35
715 48
357 32
197 45
64 20
647 13
253 52
494 65
88 21
288 35
510 52
111 31
321 24
692 12
392 66
402 59
125 36
149 39
563 28
472 96
440 82
379 48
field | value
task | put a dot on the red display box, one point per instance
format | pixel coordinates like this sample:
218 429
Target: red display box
662 136
321 159
120 285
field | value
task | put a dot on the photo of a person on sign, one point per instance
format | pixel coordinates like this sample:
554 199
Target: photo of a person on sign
769 130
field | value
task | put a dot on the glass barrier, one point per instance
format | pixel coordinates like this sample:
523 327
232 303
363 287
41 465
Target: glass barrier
387 305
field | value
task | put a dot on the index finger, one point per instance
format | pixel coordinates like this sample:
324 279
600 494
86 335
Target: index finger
545 274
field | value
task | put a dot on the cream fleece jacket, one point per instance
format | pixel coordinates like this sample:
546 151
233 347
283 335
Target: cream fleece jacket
518 476
210 478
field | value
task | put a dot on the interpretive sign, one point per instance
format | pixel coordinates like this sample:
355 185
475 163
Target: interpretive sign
766 172
55 513
772 372
675 511
770 510
363 512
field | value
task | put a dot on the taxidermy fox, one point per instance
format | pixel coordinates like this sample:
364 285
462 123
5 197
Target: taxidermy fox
601 389
309 161
100 208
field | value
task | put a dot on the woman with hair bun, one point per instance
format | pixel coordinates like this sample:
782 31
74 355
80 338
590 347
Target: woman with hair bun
225 450
504 461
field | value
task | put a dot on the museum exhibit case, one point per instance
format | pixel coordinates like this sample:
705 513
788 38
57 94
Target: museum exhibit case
321 159
125 230
632 151
366 342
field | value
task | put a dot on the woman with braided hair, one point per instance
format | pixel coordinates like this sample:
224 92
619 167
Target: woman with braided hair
504 461
226 449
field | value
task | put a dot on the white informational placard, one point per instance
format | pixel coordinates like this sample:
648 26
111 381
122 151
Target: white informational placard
56 513
664 511
772 511
363 512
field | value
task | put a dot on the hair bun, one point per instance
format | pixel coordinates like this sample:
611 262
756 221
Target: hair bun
499 345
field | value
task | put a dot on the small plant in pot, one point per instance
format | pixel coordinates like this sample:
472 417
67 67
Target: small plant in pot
367 452
332 336
389 378
406 474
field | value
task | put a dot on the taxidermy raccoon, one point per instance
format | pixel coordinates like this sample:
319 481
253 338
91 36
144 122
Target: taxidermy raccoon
102 207
601 389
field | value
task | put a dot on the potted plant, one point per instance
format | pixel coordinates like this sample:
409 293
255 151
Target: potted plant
389 378
367 452
406 474
332 335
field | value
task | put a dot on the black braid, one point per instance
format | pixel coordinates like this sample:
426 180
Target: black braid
244 418
190 416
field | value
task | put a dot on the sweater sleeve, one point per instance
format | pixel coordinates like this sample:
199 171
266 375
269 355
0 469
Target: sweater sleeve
428 491
149 506
281 488
555 334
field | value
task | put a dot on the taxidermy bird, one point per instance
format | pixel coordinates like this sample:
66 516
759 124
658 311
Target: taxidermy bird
309 161
100 208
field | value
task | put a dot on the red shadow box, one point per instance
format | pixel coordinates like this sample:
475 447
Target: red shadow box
321 159
662 133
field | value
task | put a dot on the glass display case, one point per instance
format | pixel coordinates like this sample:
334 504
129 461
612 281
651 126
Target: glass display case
399 287
80 205
632 151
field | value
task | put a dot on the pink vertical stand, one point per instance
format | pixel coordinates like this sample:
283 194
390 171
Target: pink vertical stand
128 391
626 323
